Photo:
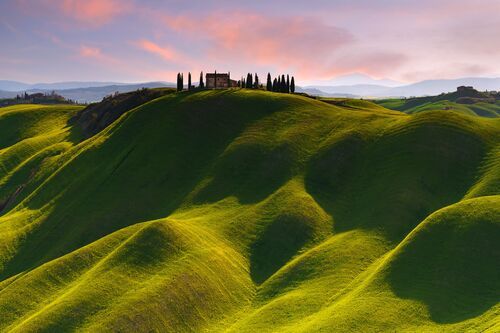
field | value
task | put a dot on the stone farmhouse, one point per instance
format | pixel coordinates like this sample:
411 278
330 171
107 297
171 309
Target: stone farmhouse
219 80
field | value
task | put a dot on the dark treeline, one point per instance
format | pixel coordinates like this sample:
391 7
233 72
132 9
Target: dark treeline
37 98
282 83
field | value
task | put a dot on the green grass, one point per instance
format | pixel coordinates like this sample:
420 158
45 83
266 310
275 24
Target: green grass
421 104
250 211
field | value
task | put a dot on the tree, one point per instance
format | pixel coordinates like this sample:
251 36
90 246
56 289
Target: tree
256 82
202 85
215 79
189 81
249 84
269 84
275 84
287 84
179 82
182 81
283 83
292 85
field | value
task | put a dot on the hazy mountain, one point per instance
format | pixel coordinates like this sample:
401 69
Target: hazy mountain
436 87
95 91
18 86
7 94
356 79
88 94
317 92
423 88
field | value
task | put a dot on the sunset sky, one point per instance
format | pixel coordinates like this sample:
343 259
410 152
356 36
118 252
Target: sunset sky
147 40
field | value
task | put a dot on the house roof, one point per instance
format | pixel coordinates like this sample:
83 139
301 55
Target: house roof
218 75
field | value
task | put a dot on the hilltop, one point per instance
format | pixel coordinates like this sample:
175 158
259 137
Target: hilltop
247 211
466 100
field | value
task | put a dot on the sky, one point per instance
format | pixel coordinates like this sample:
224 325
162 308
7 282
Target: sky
315 40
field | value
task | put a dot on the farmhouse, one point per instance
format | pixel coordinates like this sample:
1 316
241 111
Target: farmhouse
220 80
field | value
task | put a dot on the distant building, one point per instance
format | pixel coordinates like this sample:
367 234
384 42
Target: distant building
465 89
219 80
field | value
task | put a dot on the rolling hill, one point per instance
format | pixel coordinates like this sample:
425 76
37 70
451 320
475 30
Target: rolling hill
465 100
373 89
248 211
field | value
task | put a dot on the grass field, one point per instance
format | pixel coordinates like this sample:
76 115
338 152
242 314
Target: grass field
249 211
416 105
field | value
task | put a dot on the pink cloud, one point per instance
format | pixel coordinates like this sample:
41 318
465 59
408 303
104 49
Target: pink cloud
91 12
96 56
90 52
303 45
164 52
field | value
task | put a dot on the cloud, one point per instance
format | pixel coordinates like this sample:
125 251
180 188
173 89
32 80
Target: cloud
94 11
164 52
90 13
96 56
300 44
9 26
371 62
90 52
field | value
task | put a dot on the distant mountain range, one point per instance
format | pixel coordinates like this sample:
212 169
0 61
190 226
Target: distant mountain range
82 92
423 88
356 85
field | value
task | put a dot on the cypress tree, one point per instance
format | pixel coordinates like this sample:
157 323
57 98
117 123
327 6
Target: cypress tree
278 85
292 85
182 81
283 83
202 85
256 82
215 79
178 81
287 84
275 84
269 84
189 81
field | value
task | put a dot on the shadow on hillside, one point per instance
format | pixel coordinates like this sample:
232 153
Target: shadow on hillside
251 172
452 267
392 183
277 244
143 171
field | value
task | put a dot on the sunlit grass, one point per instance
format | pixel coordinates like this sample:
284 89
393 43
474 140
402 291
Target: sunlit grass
250 211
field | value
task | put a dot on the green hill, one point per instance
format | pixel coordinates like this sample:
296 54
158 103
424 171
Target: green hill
248 211
465 100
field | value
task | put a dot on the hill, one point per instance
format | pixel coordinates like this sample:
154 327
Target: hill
81 92
248 211
374 89
465 100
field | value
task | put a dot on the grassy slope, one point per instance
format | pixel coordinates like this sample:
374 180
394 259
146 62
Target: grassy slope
252 211
412 106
